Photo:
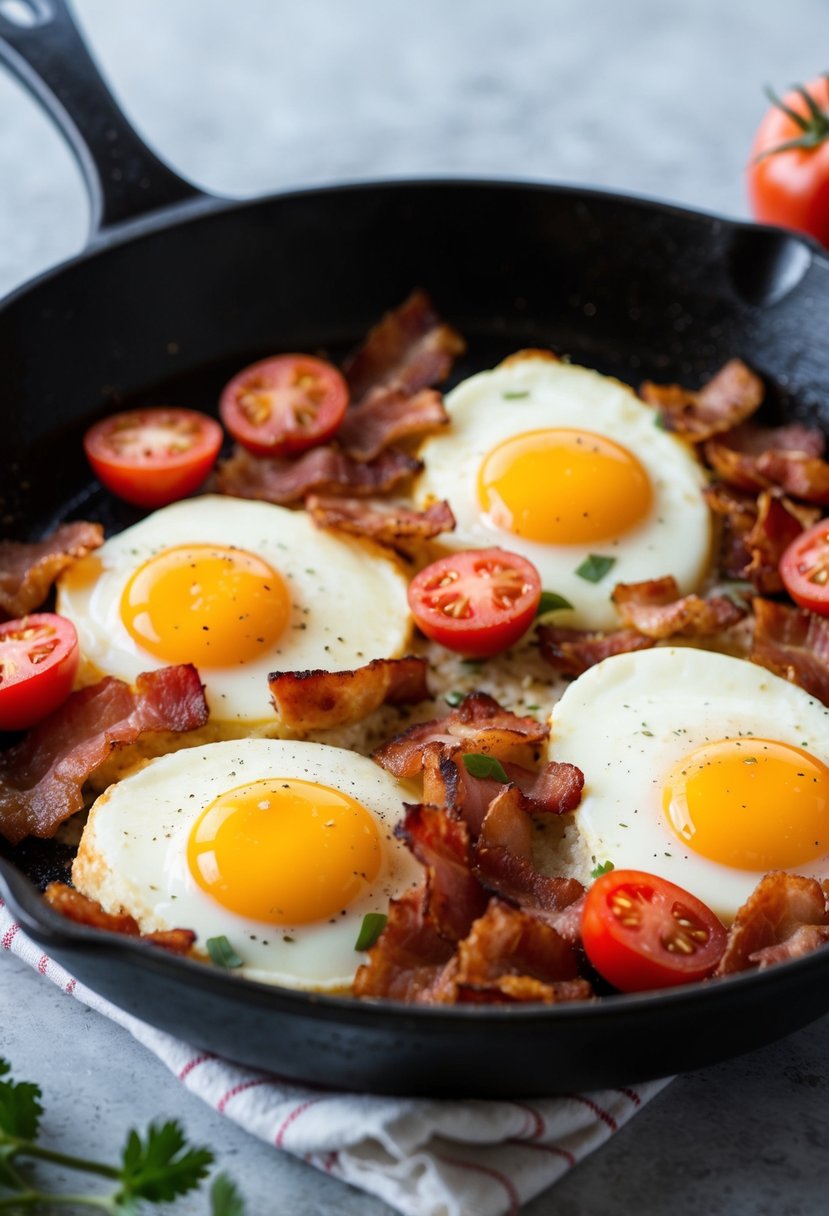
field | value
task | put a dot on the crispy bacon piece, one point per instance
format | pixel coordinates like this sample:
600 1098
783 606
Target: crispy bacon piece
41 777
778 522
478 724
516 879
409 960
793 644
658 610
506 825
729 397
737 510
556 789
506 944
410 349
29 568
83 911
387 416
454 898
758 458
785 916
322 470
396 527
572 651
317 700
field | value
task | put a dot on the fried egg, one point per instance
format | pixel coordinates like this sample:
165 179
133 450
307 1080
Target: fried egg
281 847
239 588
564 465
699 767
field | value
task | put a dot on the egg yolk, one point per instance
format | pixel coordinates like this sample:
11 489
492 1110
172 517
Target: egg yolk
753 804
563 487
205 604
285 852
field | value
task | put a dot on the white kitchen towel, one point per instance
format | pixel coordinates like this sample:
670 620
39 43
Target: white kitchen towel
422 1156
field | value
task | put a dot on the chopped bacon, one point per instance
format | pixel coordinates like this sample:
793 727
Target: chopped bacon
454 897
729 397
83 911
758 458
793 644
387 416
478 724
396 527
658 610
317 700
29 568
506 825
517 880
410 348
572 651
785 916
408 961
778 522
556 789
738 511
324 470
507 944
41 777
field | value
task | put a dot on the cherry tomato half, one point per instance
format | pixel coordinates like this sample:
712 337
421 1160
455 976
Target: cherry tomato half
38 663
284 405
477 602
640 931
788 171
151 457
804 568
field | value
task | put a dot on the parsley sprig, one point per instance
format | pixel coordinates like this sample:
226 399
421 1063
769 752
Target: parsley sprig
155 1168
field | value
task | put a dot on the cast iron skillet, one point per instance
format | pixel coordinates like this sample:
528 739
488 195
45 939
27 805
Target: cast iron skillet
175 291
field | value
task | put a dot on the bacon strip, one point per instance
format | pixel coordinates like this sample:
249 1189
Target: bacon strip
83 911
758 458
409 959
28 569
779 521
478 724
572 651
387 416
507 944
323 470
317 700
784 917
409 349
454 898
658 610
729 397
396 527
41 778
793 644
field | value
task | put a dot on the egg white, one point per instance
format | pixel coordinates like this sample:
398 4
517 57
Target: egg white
348 600
133 854
535 392
627 721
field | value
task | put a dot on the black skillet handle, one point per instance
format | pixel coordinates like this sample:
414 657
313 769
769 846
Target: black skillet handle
42 45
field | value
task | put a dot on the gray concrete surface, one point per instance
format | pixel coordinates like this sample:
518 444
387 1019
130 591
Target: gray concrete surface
649 97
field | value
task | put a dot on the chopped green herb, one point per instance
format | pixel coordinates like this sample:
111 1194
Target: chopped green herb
647 733
373 925
532 708
454 698
551 601
479 765
515 395
472 664
595 567
604 868
222 953
659 421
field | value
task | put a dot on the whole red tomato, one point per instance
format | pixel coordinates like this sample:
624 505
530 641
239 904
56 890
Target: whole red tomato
788 172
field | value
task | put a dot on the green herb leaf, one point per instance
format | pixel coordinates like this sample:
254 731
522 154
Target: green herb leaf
161 1167
515 395
222 953
373 925
454 698
595 567
20 1108
225 1200
551 601
479 765
659 421
472 664
604 868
